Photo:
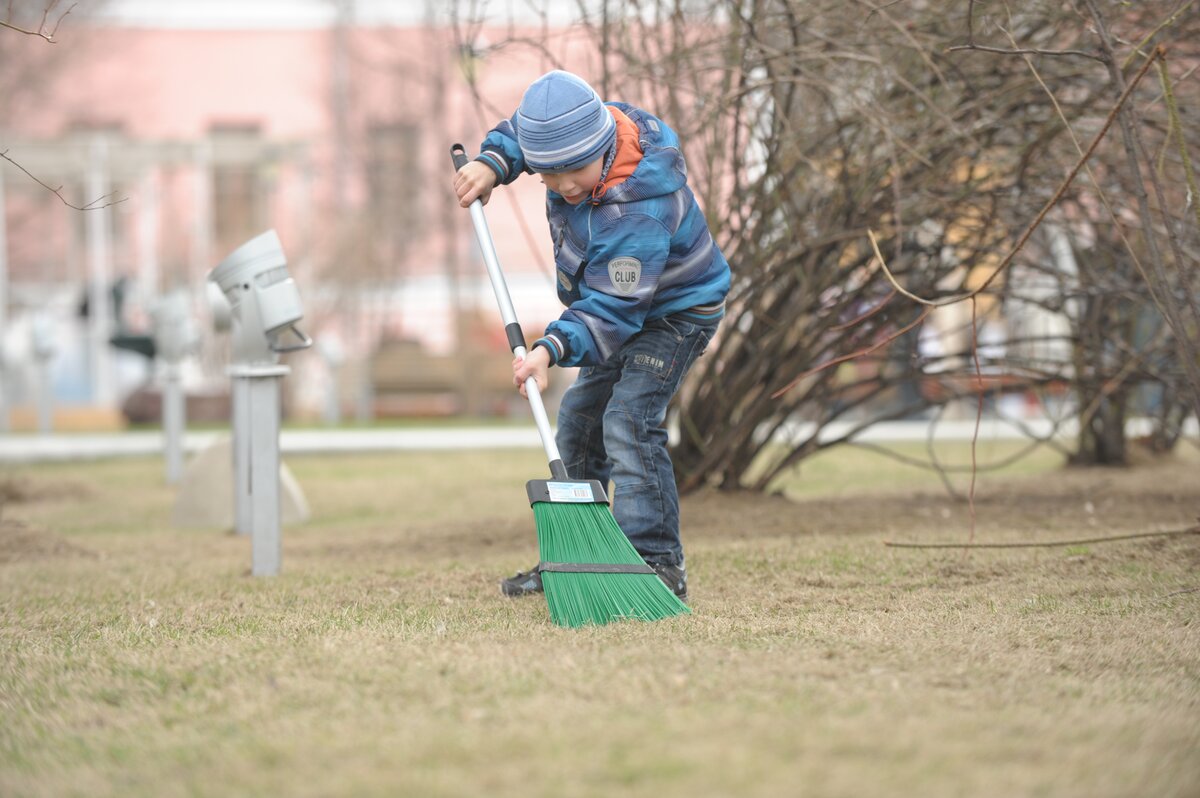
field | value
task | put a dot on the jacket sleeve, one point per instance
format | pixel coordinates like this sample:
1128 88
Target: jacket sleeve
625 263
501 152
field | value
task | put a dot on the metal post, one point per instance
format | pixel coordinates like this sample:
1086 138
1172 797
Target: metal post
3 306
174 413
98 228
330 349
332 415
262 387
264 305
243 523
43 345
45 398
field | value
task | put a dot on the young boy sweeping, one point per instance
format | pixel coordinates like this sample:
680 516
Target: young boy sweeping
644 285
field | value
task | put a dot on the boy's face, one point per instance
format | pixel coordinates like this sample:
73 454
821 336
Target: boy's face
575 186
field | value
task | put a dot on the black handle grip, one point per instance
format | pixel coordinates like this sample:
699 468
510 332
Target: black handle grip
458 154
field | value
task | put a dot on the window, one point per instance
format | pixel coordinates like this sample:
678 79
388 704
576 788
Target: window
239 196
392 171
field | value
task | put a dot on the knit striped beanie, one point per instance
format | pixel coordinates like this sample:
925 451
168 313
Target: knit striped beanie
562 124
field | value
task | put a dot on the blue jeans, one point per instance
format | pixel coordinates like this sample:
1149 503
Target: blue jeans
610 426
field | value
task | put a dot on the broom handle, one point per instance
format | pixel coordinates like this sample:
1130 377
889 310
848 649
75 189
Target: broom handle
516 338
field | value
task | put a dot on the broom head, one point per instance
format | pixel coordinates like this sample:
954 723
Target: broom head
591 573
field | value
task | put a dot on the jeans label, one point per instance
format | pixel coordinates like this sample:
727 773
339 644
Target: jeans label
649 360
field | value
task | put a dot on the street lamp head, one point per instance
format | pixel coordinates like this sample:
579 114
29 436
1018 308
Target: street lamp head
263 299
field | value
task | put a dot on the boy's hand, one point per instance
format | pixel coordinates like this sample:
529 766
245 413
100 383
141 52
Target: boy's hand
535 364
474 181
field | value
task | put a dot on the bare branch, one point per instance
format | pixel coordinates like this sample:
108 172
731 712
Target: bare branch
94 205
1195 530
41 32
854 355
875 10
1083 159
1026 51
1166 23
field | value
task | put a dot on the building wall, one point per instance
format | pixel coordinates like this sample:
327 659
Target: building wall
336 137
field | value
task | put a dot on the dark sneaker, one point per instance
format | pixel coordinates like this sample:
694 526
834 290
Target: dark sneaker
674 577
523 583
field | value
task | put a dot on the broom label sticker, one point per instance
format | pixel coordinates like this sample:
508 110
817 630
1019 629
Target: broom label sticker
570 492
624 274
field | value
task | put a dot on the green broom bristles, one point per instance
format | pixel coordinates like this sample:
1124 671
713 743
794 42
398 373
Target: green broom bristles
588 533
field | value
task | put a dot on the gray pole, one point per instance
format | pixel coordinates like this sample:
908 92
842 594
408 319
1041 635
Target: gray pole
45 398
174 411
266 542
99 255
3 305
243 522
43 352
333 397
174 337
265 306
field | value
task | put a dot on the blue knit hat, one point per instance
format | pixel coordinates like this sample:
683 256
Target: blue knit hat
562 124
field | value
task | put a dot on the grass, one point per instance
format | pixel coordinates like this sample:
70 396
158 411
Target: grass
140 660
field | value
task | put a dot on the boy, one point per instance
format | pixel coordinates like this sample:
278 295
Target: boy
644 285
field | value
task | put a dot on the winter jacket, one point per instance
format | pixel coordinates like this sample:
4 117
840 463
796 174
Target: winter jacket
639 249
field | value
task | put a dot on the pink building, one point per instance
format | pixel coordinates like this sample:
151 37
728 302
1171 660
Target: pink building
332 130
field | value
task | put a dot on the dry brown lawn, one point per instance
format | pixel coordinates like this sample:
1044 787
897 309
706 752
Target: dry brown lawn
136 659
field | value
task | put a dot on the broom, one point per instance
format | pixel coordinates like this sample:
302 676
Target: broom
590 571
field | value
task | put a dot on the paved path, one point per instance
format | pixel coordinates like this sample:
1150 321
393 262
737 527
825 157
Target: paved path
31 448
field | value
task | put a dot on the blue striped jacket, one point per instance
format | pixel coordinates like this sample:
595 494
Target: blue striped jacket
639 252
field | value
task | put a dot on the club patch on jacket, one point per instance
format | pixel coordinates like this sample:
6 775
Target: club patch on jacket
624 274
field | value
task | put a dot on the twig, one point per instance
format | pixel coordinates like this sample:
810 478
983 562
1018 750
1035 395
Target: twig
978 413
91 206
1112 115
1096 183
1137 49
1176 131
1135 146
1112 384
942 468
1025 51
866 351
876 9
1195 530
863 317
40 32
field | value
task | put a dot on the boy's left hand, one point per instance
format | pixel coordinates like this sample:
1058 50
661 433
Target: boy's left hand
535 364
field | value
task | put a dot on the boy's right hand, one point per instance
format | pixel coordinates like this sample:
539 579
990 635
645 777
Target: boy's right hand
474 181
535 364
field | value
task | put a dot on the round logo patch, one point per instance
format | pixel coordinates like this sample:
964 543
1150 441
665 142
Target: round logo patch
624 274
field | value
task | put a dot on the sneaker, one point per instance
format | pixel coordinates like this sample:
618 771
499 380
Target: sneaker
522 583
674 577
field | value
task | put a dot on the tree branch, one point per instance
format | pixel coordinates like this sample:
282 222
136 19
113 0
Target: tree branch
1043 544
91 206
1083 159
1026 51
40 31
